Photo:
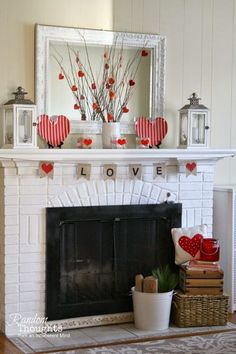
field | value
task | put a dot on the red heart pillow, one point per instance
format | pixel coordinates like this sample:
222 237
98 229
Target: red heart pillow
53 130
155 129
187 242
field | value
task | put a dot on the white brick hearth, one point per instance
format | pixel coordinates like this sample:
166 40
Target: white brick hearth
24 196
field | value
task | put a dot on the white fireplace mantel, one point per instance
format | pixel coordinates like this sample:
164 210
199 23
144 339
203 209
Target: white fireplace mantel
114 155
24 197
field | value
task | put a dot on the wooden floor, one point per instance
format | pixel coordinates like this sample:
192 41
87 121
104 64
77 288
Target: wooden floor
6 347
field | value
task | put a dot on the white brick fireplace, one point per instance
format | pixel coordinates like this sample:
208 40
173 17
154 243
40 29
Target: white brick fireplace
24 196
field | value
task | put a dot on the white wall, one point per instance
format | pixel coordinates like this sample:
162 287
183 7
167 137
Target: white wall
201 57
17 21
201 52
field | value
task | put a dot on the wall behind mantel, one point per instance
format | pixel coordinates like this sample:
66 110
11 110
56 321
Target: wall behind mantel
201 57
201 52
17 22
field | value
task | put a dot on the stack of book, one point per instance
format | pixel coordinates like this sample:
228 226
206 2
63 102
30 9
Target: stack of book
201 278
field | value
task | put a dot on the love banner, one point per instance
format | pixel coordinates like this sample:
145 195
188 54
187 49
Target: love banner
83 171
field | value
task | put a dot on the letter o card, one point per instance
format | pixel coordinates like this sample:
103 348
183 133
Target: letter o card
109 171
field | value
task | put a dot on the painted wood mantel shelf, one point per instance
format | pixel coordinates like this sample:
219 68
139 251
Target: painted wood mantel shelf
115 155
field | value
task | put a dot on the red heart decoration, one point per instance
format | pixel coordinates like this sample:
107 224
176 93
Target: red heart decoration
74 88
109 117
144 142
155 130
60 76
47 167
93 86
121 141
191 245
80 73
191 166
125 109
87 141
111 81
53 131
111 95
131 82
144 53
76 106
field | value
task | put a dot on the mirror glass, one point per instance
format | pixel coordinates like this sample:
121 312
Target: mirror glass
56 46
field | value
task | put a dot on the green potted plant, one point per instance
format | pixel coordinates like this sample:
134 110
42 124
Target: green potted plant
152 310
167 279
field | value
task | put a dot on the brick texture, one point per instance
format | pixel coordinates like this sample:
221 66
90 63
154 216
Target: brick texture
23 199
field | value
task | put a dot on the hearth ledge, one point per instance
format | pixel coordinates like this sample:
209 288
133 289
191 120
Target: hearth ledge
92 321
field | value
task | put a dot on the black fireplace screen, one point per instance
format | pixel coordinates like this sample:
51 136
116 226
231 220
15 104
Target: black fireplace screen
94 253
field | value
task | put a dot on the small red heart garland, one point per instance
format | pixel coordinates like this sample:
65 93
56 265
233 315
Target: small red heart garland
191 166
47 167
144 142
87 141
121 141
191 245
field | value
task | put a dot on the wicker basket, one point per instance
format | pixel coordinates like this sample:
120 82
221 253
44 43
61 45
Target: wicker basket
199 310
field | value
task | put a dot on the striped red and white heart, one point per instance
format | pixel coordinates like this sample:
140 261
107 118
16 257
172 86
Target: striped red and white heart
155 129
54 130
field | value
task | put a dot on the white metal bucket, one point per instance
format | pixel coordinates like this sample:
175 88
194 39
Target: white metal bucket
151 310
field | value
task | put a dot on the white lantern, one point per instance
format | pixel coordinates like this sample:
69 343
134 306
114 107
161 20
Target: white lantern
194 124
19 122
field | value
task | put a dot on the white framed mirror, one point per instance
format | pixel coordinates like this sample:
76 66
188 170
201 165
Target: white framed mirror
53 97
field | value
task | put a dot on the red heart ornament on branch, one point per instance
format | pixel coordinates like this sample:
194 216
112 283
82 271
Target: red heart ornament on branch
74 88
47 167
53 130
155 129
191 245
131 82
144 53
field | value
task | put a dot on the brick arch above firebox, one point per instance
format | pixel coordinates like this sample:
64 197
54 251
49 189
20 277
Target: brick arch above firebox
118 192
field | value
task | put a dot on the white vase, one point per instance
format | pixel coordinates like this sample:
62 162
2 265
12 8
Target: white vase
110 131
151 310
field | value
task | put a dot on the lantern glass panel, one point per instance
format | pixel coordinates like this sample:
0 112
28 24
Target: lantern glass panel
25 123
183 131
8 125
198 128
